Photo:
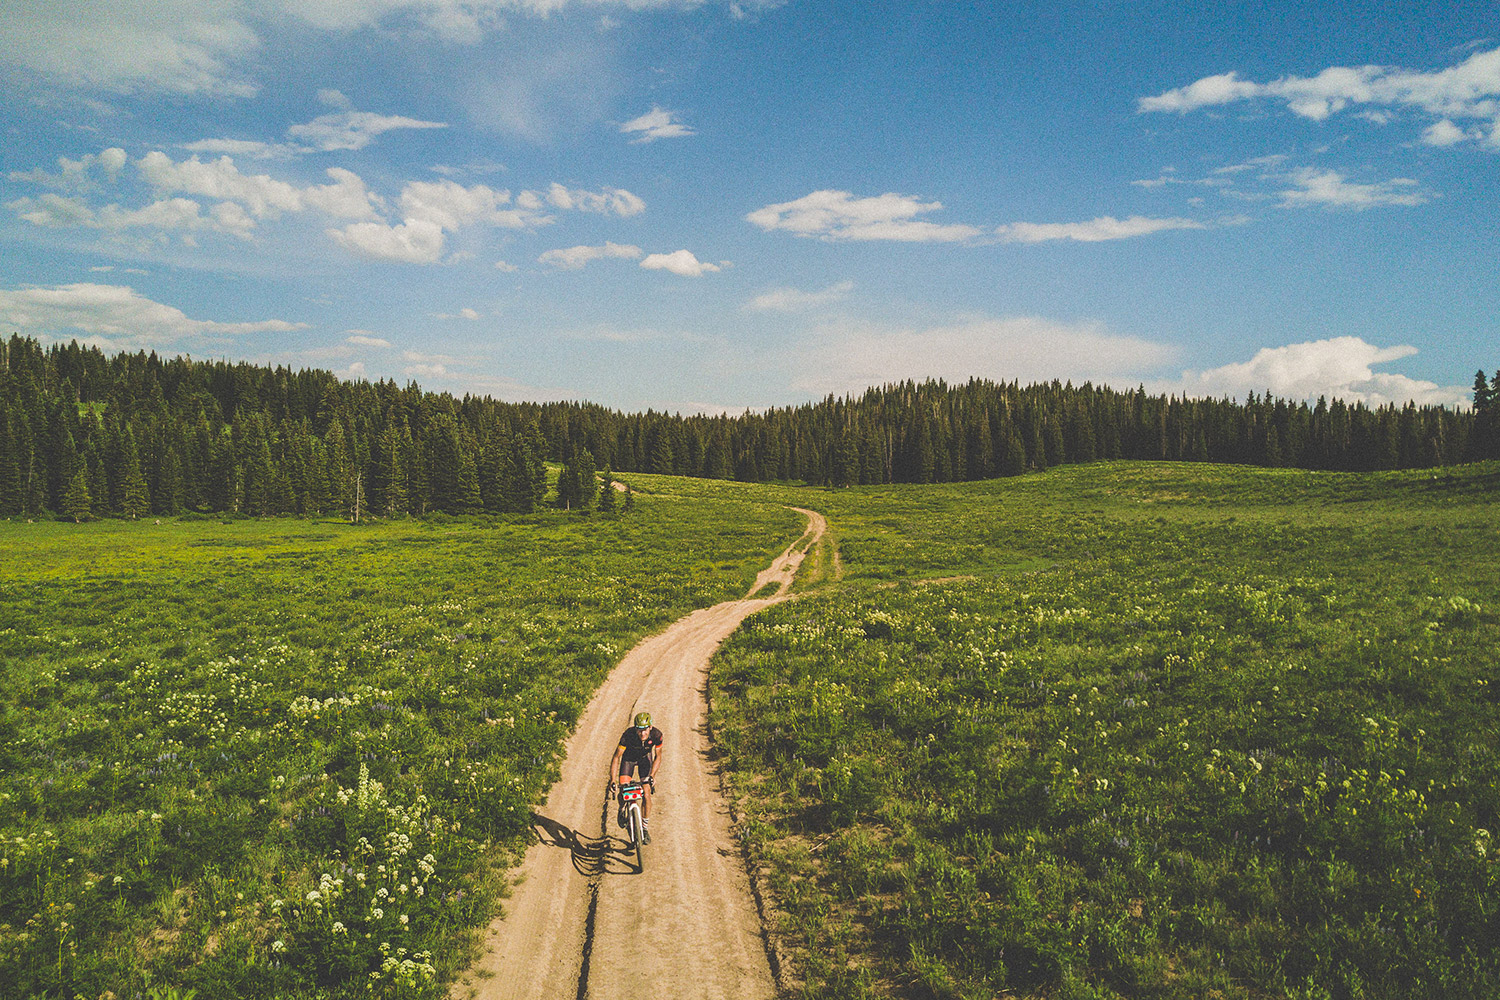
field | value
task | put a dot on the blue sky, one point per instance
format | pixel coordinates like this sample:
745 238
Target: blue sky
719 205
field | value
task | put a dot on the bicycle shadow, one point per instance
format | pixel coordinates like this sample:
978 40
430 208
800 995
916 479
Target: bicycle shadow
592 856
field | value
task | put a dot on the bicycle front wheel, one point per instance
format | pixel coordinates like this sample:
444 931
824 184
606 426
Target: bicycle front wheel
637 837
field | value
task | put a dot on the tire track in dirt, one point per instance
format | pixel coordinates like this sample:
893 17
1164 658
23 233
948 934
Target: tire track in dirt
582 922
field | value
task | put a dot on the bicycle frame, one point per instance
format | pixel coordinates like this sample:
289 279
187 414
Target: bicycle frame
632 795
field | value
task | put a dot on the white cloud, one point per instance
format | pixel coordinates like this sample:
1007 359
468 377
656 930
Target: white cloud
180 214
429 211
364 338
795 300
241 198
1328 188
452 206
415 241
838 215
74 175
245 147
1470 89
205 46
849 356
347 130
118 313
1444 133
221 179
264 196
616 201
501 265
464 313
573 258
171 46
1261 163
54 211
346 198
1106 227
681 262
1340 367
423 364
655 124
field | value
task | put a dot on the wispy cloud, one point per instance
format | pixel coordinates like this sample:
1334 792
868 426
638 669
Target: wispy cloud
117 314
1470 89
363 338
573 258
838 215
341 130
790 300
845 355
347 128
1106 227
656 124
1329 189
181 215
75 175
207 47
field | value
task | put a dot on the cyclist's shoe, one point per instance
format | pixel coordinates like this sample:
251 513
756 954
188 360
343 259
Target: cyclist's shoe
645 834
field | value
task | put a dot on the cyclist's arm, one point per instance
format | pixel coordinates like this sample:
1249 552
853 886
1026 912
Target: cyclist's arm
656 761
614 765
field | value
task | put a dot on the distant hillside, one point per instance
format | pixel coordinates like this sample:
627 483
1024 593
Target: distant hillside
90 434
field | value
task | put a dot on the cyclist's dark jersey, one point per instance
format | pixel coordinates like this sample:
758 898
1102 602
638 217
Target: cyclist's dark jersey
636 748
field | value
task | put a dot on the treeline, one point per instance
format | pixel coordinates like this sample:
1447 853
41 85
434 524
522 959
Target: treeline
83 433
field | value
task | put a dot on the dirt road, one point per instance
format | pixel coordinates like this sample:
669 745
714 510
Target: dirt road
582 922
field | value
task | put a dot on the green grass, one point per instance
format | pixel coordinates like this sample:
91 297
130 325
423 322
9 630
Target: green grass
282 757
1183 731
1142 730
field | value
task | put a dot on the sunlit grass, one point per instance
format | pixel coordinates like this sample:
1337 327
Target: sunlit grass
1176 731
283 757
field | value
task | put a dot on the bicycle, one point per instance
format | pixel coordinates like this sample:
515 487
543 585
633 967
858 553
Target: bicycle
632 794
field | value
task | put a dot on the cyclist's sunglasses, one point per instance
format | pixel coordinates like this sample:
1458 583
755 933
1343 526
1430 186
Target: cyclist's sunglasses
644 729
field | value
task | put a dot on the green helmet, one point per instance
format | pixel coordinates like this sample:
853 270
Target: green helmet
642 720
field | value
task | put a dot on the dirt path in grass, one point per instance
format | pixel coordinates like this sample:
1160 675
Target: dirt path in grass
583 922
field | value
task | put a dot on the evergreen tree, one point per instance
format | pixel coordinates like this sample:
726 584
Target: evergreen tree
338 470
588 490
467 499
75 501
34 489
607 500
575 483
12 494
659 450
171 496
519 476
136 499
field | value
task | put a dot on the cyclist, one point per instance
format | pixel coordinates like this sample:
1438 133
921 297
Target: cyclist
639 751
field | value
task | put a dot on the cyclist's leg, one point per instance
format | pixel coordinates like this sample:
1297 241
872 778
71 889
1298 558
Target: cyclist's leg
645 765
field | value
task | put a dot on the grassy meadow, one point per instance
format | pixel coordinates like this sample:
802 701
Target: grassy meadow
1134 730
283 758
1116 730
